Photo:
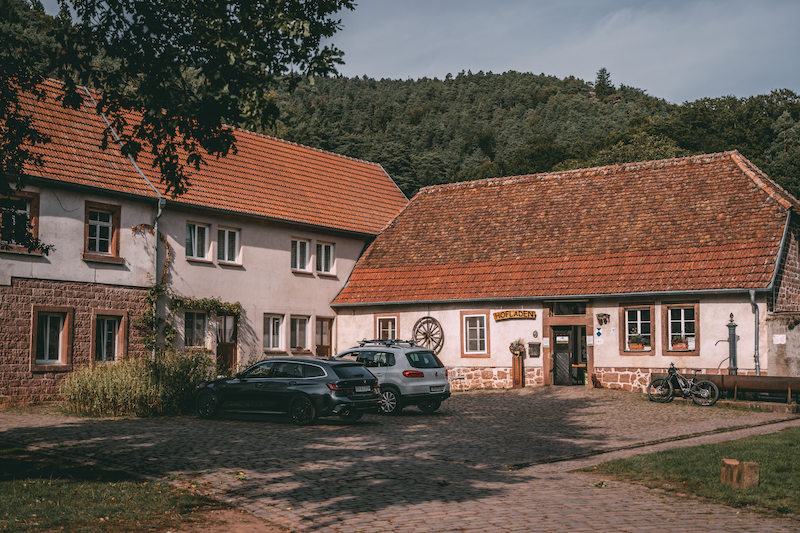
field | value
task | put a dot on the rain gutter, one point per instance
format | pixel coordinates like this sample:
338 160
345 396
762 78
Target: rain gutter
162 202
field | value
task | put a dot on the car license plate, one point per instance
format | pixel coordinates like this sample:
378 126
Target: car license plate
363 388
440 388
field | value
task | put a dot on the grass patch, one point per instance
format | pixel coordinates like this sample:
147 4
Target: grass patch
697 470
43 493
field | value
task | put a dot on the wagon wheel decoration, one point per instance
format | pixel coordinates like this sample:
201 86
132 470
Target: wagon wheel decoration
428 333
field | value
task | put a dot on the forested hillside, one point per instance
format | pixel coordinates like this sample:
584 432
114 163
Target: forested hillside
472 126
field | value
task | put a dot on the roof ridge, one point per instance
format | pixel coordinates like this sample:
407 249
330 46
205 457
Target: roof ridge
654 163
763 182
292 143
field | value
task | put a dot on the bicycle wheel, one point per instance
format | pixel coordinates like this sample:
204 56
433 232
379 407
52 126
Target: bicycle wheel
705 393
660 390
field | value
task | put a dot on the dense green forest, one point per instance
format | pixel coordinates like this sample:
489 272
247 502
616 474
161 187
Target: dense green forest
471 126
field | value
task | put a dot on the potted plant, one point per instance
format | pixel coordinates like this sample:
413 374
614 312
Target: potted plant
637 342
679 342
517 347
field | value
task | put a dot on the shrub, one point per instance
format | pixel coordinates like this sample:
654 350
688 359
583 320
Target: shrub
137 386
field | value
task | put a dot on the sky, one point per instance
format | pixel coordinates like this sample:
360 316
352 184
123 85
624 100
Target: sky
679 50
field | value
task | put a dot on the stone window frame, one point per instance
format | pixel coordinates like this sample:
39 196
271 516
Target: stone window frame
122 333
296 262
386 316
623 328
65 360
224 235
298 319
320 256
33 217
485 313
204 335
665 328
195 257
269 318
113 255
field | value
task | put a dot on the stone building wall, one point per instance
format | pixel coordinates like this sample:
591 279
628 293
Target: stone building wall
637 379
786 295
466 378
783 335
22 382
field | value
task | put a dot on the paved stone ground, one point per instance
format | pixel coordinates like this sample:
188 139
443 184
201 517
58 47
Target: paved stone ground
448 471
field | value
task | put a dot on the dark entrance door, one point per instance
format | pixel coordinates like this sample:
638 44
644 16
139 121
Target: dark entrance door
226 341
562 355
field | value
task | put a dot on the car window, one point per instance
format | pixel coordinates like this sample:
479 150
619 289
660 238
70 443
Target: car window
261 370
352 356
287 370
366 358
423 360
384 359
312 371
352 371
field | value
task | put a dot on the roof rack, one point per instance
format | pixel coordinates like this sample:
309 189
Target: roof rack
385 342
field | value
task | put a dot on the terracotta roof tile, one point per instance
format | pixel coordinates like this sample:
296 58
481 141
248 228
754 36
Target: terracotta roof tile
267 177
711 222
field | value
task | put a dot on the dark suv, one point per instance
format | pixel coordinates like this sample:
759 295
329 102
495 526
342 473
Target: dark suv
304 388
407 374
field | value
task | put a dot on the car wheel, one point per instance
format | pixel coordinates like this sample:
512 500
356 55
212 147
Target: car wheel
429 407
302 411
390 401
351 416
207 404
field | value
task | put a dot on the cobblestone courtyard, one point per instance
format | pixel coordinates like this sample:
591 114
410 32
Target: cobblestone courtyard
455 470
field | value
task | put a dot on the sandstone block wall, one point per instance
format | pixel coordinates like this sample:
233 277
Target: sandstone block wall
466 378
637 379
18 383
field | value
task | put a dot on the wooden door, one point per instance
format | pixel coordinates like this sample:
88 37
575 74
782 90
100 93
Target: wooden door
562 355
518 371
226 341
323 335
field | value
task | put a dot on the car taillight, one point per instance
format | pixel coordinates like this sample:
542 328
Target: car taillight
445 372
334 386
413 374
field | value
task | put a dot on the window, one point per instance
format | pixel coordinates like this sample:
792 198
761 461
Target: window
19 221
272 332
569 308
195 330
680 327
299 255
324 258
297 333
51 338
474 334
638 328
387 327
196 241
106 339
101 231
228 245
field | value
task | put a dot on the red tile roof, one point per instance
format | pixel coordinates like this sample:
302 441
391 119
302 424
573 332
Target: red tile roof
267 177
703 223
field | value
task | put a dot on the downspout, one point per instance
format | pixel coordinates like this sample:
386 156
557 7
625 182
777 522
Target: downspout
754 305
162 202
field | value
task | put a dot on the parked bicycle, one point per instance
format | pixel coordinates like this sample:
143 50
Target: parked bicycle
702 392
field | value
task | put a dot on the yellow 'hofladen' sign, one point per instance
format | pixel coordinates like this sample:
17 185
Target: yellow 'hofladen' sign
512 315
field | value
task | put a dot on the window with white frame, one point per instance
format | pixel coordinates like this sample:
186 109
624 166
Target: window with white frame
638 327
324 258
298 333
50 338
272 332
195 325
299 255
228 245
682 328
387 327
474 334
196 241
106 340
100 231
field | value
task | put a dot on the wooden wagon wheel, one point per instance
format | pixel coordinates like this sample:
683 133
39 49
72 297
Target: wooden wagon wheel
428 333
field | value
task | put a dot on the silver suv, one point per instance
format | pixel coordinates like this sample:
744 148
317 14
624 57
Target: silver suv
407 374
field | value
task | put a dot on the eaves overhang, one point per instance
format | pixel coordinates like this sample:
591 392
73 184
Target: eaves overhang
704 292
